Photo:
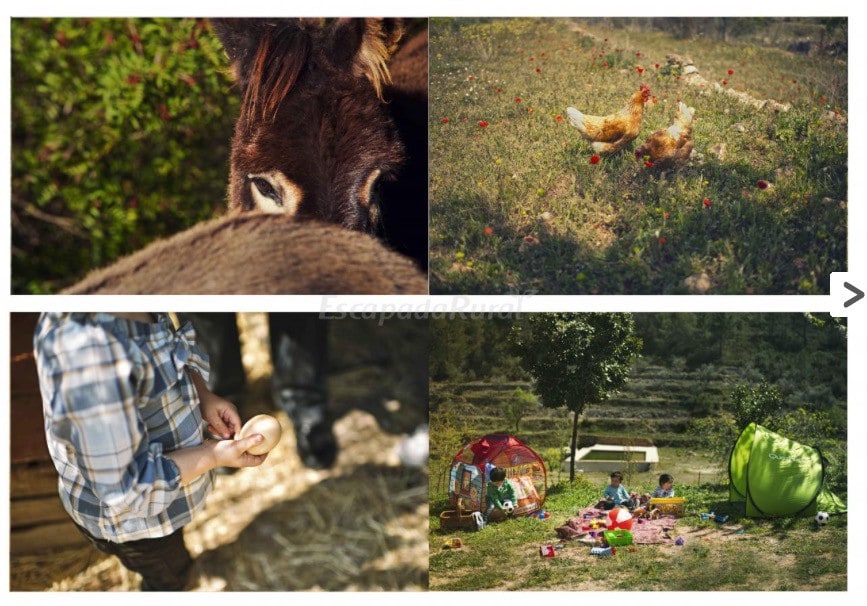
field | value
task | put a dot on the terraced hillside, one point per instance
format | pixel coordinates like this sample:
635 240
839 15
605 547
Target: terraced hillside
657 402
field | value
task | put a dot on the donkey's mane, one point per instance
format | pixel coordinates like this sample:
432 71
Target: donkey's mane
376 49
276 66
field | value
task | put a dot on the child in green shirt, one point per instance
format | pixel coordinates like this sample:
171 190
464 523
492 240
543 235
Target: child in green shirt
498 492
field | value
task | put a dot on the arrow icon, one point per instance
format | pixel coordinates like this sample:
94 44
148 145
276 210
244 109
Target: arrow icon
859 294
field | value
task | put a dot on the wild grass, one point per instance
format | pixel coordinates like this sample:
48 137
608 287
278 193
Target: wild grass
741 554
516 206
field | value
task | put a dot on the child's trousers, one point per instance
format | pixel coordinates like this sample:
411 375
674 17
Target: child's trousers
163 563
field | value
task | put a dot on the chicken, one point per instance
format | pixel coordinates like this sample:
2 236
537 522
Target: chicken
670 148
612 133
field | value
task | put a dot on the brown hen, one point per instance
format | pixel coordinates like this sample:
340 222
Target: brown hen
609 134
670 148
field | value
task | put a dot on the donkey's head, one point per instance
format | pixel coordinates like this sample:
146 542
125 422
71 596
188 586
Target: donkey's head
314 139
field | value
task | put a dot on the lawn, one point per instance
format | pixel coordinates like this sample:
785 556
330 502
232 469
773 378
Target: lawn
741 554
517 206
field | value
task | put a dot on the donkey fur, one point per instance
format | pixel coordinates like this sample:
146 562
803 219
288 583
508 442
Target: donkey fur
259 253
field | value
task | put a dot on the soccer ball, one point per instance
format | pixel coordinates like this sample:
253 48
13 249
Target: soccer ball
822 518
508 507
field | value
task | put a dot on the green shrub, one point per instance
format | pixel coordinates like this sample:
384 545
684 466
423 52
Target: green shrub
120 135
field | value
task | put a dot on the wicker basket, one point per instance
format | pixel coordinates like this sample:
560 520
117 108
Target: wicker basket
672 506
453 519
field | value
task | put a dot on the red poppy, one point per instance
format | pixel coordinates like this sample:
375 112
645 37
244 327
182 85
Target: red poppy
731 72
559 118
538 70
133 79
648 164
706 203
594 159
605 64
822 99
656 65
637 54
517 99
662 240
724 82
488 231
639 69
445 120
762 184
532 58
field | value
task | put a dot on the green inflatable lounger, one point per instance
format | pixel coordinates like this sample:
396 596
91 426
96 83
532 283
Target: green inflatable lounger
778 477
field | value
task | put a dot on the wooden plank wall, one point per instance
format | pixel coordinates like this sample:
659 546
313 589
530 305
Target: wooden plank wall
37 519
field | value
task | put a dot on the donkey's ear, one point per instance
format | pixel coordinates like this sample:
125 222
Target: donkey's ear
247 42
240 37
365 46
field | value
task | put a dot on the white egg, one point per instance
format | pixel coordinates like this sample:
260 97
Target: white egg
266 425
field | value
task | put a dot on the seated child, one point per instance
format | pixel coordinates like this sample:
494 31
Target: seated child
665 489
615 494
499 491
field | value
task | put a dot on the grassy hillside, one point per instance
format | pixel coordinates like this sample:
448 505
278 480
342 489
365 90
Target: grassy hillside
516 205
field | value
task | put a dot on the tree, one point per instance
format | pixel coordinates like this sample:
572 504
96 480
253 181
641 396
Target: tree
519 405
575 359
755 403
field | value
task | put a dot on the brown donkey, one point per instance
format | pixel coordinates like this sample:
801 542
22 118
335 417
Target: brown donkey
259 253
323 131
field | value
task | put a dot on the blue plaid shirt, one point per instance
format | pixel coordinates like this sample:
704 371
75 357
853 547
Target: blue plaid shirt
116 398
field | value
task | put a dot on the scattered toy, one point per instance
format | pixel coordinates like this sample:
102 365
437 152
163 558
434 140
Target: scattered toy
822 518
603 551
452 543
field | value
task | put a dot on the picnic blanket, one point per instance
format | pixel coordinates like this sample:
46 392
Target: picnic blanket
644 532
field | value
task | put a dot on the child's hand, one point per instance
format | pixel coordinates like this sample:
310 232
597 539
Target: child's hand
221 415
233 453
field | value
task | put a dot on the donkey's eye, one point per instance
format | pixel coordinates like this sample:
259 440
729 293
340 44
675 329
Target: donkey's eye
266 189
369 195
274 192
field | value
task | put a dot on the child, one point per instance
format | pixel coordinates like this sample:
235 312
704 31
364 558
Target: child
665 489
125 404
615 493
498 492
